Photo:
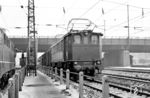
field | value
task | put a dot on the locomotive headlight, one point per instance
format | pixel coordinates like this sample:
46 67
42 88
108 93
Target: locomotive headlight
86 33
77 67
75 63
98 62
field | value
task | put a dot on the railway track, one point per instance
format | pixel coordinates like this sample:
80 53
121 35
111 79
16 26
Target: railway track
93 87
117 90
128 84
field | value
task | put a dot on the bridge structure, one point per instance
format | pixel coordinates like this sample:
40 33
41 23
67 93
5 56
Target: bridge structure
137 45
115 49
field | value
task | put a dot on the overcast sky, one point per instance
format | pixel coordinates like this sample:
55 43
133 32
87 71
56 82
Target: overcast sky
58 12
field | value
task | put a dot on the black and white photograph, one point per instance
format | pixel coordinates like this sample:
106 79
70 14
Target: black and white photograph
74 49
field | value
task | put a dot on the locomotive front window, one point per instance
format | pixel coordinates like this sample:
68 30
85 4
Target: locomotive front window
77 39
85 40
94 39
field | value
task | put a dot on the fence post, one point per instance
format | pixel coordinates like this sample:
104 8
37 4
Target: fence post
0 95
49 69
105 87
20 85
26 70
52 72
81 85
45 70
17 85
42 69
21 77
55 73
61 76
67 78
11 91
24 74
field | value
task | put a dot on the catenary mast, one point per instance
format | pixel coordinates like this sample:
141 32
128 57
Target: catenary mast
32 41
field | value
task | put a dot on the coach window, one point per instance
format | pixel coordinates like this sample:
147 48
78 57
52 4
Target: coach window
1 37
77 39
94 39
5 39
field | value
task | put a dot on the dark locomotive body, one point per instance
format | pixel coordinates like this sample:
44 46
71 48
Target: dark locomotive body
75 51
7 59
78 50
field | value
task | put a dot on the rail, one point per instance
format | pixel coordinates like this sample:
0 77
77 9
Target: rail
14 85
97 87
85 90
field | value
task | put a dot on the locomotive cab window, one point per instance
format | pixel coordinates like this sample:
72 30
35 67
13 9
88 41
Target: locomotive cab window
77 39
94 39
85 39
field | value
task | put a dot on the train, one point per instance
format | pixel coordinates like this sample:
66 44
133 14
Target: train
78 50
7 58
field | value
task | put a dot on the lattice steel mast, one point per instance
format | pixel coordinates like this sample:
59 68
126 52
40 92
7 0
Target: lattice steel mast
32 41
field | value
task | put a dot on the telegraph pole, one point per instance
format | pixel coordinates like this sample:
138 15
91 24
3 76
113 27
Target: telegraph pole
32 40
104 27
128 38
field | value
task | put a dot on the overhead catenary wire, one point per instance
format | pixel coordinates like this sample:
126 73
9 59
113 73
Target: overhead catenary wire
122 4
143 14
90 8
109 1
126 21
143 29
107 12
68 9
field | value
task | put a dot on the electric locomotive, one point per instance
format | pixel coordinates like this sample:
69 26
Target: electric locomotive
7 59
78 50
